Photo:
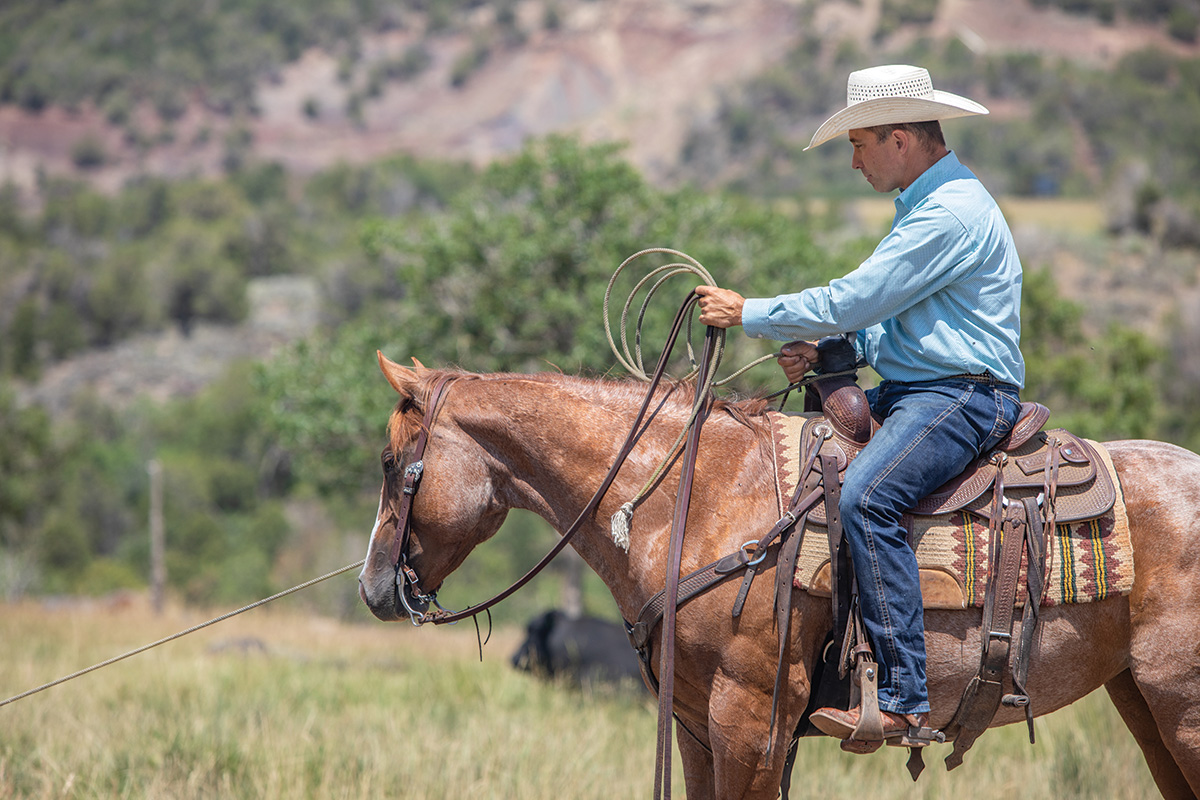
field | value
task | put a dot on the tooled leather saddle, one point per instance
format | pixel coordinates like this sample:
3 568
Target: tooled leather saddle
1033 480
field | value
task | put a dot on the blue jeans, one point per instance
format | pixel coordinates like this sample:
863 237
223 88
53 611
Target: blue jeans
931 432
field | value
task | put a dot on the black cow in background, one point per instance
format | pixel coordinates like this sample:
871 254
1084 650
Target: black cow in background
584 649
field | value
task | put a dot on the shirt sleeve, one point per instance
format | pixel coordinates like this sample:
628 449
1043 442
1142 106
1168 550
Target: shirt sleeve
923 253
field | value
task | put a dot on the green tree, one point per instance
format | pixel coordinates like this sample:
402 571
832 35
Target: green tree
1103 386
26 457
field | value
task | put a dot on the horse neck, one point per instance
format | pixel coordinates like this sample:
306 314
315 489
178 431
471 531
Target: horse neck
553 441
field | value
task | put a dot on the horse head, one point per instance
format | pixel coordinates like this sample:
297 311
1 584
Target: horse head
438 499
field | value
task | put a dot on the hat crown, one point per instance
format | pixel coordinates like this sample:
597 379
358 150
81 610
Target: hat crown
894 80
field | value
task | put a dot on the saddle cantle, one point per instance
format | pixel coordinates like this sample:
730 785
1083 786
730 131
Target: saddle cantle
1085 490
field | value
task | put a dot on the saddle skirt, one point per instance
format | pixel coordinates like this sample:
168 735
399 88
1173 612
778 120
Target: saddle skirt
1089 555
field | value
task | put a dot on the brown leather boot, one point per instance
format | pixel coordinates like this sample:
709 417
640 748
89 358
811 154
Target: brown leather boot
840 724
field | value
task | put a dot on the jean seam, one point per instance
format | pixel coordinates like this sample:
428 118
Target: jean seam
997 434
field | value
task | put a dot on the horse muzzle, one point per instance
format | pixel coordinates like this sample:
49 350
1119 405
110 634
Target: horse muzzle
378 592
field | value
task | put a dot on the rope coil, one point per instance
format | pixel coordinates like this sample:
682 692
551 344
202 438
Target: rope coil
622 521
631 360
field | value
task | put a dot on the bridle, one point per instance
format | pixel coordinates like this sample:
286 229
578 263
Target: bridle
407 580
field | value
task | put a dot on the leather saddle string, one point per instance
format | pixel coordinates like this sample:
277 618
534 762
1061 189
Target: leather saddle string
666 692
1036 543
994 526
1050 505
983 695
785 572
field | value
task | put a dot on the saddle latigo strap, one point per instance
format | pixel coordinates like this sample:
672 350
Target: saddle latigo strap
1022 528
983 694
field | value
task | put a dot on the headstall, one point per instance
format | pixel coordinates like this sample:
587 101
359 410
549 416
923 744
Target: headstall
405 574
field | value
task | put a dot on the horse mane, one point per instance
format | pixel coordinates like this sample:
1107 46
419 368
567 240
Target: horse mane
676 398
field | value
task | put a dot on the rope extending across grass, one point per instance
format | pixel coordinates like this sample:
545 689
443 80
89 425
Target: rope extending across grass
181 634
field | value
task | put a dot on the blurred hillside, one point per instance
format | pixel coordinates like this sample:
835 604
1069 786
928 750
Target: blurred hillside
1094 101
695 87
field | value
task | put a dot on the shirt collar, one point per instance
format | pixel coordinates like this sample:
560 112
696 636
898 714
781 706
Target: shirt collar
941 171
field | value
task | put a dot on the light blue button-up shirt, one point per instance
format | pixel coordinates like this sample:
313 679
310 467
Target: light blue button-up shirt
940 296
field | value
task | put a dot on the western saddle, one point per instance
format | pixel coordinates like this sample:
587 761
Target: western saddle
1022 497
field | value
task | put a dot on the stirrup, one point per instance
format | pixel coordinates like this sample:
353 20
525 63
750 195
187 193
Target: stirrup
870 718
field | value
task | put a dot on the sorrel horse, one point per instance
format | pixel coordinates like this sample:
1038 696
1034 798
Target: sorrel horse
543 443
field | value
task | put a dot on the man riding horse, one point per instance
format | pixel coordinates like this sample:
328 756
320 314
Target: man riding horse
935 310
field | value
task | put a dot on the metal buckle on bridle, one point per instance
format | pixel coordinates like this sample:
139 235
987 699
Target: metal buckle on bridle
414 470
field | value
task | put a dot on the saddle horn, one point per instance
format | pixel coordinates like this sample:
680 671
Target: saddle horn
839 395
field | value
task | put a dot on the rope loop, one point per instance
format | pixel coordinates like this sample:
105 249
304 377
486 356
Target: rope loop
632 358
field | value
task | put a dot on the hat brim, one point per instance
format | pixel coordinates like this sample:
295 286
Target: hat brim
894 111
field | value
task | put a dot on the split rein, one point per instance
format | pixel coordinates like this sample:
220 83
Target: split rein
407 581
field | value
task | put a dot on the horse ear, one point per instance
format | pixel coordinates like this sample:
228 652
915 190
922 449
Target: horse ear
402 379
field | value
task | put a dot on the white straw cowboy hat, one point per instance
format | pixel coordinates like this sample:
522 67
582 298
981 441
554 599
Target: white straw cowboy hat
892 94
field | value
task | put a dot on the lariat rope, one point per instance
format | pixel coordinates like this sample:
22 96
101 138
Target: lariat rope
183 633
633 363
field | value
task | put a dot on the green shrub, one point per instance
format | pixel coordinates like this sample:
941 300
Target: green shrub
89 152
1182 24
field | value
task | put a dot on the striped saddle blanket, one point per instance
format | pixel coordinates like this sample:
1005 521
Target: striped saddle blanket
1089 556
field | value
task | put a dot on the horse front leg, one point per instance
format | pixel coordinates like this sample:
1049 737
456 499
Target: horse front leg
738 727
697 763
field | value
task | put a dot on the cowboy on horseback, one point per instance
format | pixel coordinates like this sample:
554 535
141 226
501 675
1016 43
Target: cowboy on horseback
935 310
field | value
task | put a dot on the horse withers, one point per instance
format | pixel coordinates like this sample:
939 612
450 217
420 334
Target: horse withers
544 442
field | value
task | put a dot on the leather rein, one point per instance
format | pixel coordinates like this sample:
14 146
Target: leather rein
407 580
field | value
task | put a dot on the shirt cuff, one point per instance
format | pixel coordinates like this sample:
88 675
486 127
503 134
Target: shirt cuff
754 318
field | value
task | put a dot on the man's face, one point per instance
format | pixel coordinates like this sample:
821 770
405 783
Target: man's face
880 162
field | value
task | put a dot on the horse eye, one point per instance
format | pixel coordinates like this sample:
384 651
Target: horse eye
389 461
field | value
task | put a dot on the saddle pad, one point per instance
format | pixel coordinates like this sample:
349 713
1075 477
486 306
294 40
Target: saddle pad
1086 561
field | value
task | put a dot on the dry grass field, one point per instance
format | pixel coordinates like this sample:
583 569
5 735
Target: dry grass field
278 703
